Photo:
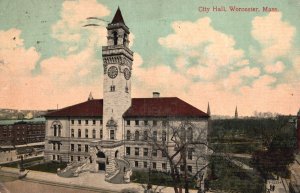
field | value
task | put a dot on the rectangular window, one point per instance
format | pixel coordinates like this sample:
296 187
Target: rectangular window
94 133
164 166
136 122
128 122
164 136
101 122
164 123
163 154
145 122
86 122
154 152
53 157
72 122
145 164
72 159
94 122
58 157
154 123
136 151
58 146
154 135
101 134
86 148
79 147
86 133
79 133
190 169
112 134
72 132
146 152
53 146
136 164
190 153
78 158
127 150
154 165
181 167
79 122
72 147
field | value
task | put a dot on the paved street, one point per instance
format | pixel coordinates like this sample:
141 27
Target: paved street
37 182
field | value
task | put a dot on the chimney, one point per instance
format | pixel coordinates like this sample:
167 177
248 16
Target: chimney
155 94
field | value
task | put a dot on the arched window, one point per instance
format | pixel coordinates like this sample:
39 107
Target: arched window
115 38
128 136
124 39
190 134
100 154
54 130
164 136
59 130
79 133
56 125
137 135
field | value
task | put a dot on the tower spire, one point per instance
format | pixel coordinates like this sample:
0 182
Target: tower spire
90 96
208 109
118 18
236 115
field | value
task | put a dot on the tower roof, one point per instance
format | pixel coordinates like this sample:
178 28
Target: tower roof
118 18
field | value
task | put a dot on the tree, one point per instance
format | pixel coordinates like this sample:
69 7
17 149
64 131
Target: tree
180 141
279 149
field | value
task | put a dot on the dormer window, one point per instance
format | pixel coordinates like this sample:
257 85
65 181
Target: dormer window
115 38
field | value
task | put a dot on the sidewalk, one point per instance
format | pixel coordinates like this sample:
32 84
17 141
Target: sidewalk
85 181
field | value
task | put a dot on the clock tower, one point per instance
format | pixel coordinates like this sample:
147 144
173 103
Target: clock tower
117 68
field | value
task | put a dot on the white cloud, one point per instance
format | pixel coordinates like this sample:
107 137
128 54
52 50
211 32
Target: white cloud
274 35
199 40
14 57
275 68
235 78
70 28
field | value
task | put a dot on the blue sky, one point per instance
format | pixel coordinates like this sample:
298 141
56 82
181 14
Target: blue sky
245 59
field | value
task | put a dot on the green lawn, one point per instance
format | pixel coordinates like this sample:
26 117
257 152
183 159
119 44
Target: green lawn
156 178
25 161
50 167
226 176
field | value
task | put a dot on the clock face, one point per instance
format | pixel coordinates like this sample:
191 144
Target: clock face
127 74
112 72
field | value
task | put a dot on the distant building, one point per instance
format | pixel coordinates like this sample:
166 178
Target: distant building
18 132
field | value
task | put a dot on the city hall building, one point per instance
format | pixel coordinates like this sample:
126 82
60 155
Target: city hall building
114 130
